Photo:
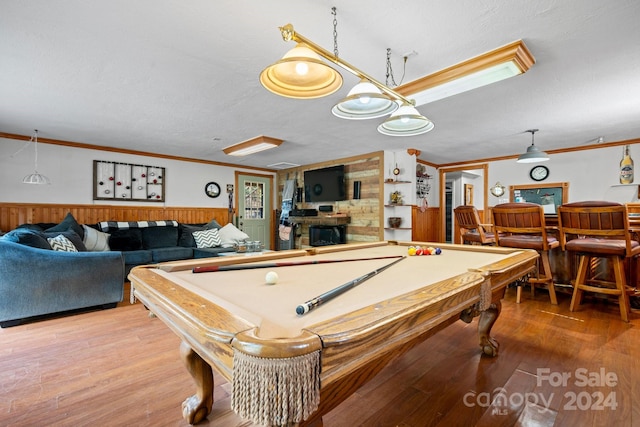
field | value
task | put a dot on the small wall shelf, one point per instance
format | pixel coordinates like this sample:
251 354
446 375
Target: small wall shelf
320 220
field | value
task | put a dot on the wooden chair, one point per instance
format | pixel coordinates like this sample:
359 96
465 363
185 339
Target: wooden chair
522 225
594 230
471 230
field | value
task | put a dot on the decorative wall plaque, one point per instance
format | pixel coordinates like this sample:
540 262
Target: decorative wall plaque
124 181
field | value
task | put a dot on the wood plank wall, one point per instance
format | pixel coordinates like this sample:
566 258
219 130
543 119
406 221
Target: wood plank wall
14 214
364 212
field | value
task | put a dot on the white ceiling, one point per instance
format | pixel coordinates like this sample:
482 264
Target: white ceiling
181 77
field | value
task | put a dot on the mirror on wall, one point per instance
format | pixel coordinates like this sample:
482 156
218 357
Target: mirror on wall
460 186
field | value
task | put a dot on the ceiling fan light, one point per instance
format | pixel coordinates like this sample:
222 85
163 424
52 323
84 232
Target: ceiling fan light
364 101
405 121
301 74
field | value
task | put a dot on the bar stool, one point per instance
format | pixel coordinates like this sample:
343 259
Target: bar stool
469 226
522 226
592 230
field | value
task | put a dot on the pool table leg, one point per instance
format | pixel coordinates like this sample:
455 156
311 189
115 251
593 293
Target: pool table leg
487 319
197 407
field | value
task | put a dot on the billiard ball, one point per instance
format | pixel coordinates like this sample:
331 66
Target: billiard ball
271 278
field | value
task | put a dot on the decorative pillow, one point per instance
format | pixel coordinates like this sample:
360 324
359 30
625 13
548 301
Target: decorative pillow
213 224
126 240
231 235
34 227
207 238
186 234
71 235
61 243
68 223
27 237
95 240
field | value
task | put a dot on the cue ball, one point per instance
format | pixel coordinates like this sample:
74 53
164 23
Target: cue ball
271 278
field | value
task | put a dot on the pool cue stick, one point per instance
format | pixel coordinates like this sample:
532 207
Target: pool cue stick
321 299
213 268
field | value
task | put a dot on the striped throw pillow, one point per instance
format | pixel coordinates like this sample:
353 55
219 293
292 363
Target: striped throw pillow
61 243
207 238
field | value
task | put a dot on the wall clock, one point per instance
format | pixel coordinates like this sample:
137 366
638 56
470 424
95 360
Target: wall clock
539 173
212 189
497 190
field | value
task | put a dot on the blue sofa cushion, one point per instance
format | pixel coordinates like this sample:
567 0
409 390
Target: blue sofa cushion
126 240
28 237
139 257
159 237
171 254
69 234
186 239
68 223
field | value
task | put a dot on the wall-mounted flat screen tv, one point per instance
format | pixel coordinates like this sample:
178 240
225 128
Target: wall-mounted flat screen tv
324 185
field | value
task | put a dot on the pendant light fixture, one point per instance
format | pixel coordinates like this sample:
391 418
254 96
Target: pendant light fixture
533 154
301 74
35 178
366 100
405 121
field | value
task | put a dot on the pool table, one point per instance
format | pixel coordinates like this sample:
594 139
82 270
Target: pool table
286 368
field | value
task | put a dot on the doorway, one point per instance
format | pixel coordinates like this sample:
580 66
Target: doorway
452 194
254 206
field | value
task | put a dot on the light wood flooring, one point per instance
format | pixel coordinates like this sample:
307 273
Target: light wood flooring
121 368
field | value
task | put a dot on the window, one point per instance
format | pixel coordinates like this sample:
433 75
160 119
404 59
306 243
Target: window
254 200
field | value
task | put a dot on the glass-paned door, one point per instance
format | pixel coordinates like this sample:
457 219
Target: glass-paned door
254 207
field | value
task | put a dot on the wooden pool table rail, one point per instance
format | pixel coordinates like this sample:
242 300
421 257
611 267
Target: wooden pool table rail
355 346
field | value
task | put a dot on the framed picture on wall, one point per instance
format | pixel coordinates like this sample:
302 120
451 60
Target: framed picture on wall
468 194
124 181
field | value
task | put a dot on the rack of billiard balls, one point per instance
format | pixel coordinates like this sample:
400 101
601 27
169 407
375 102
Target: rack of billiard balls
419 250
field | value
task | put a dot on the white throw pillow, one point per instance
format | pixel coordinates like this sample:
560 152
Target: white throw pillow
61 243
207 238
94 240
231 235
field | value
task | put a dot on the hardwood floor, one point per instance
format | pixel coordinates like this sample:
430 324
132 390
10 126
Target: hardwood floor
121 368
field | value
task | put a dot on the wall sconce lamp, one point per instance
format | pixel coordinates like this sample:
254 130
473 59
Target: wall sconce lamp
254 145
533 154
499 64
35 177
300 74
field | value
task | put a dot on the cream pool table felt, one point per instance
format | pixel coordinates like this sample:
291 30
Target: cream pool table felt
287 368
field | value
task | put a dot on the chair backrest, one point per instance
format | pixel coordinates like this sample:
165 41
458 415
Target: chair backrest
468 221
599 219
519 218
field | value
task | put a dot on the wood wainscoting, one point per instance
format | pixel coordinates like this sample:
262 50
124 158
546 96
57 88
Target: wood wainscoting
425 224
14 214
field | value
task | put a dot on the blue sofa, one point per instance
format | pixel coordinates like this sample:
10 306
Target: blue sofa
37 281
